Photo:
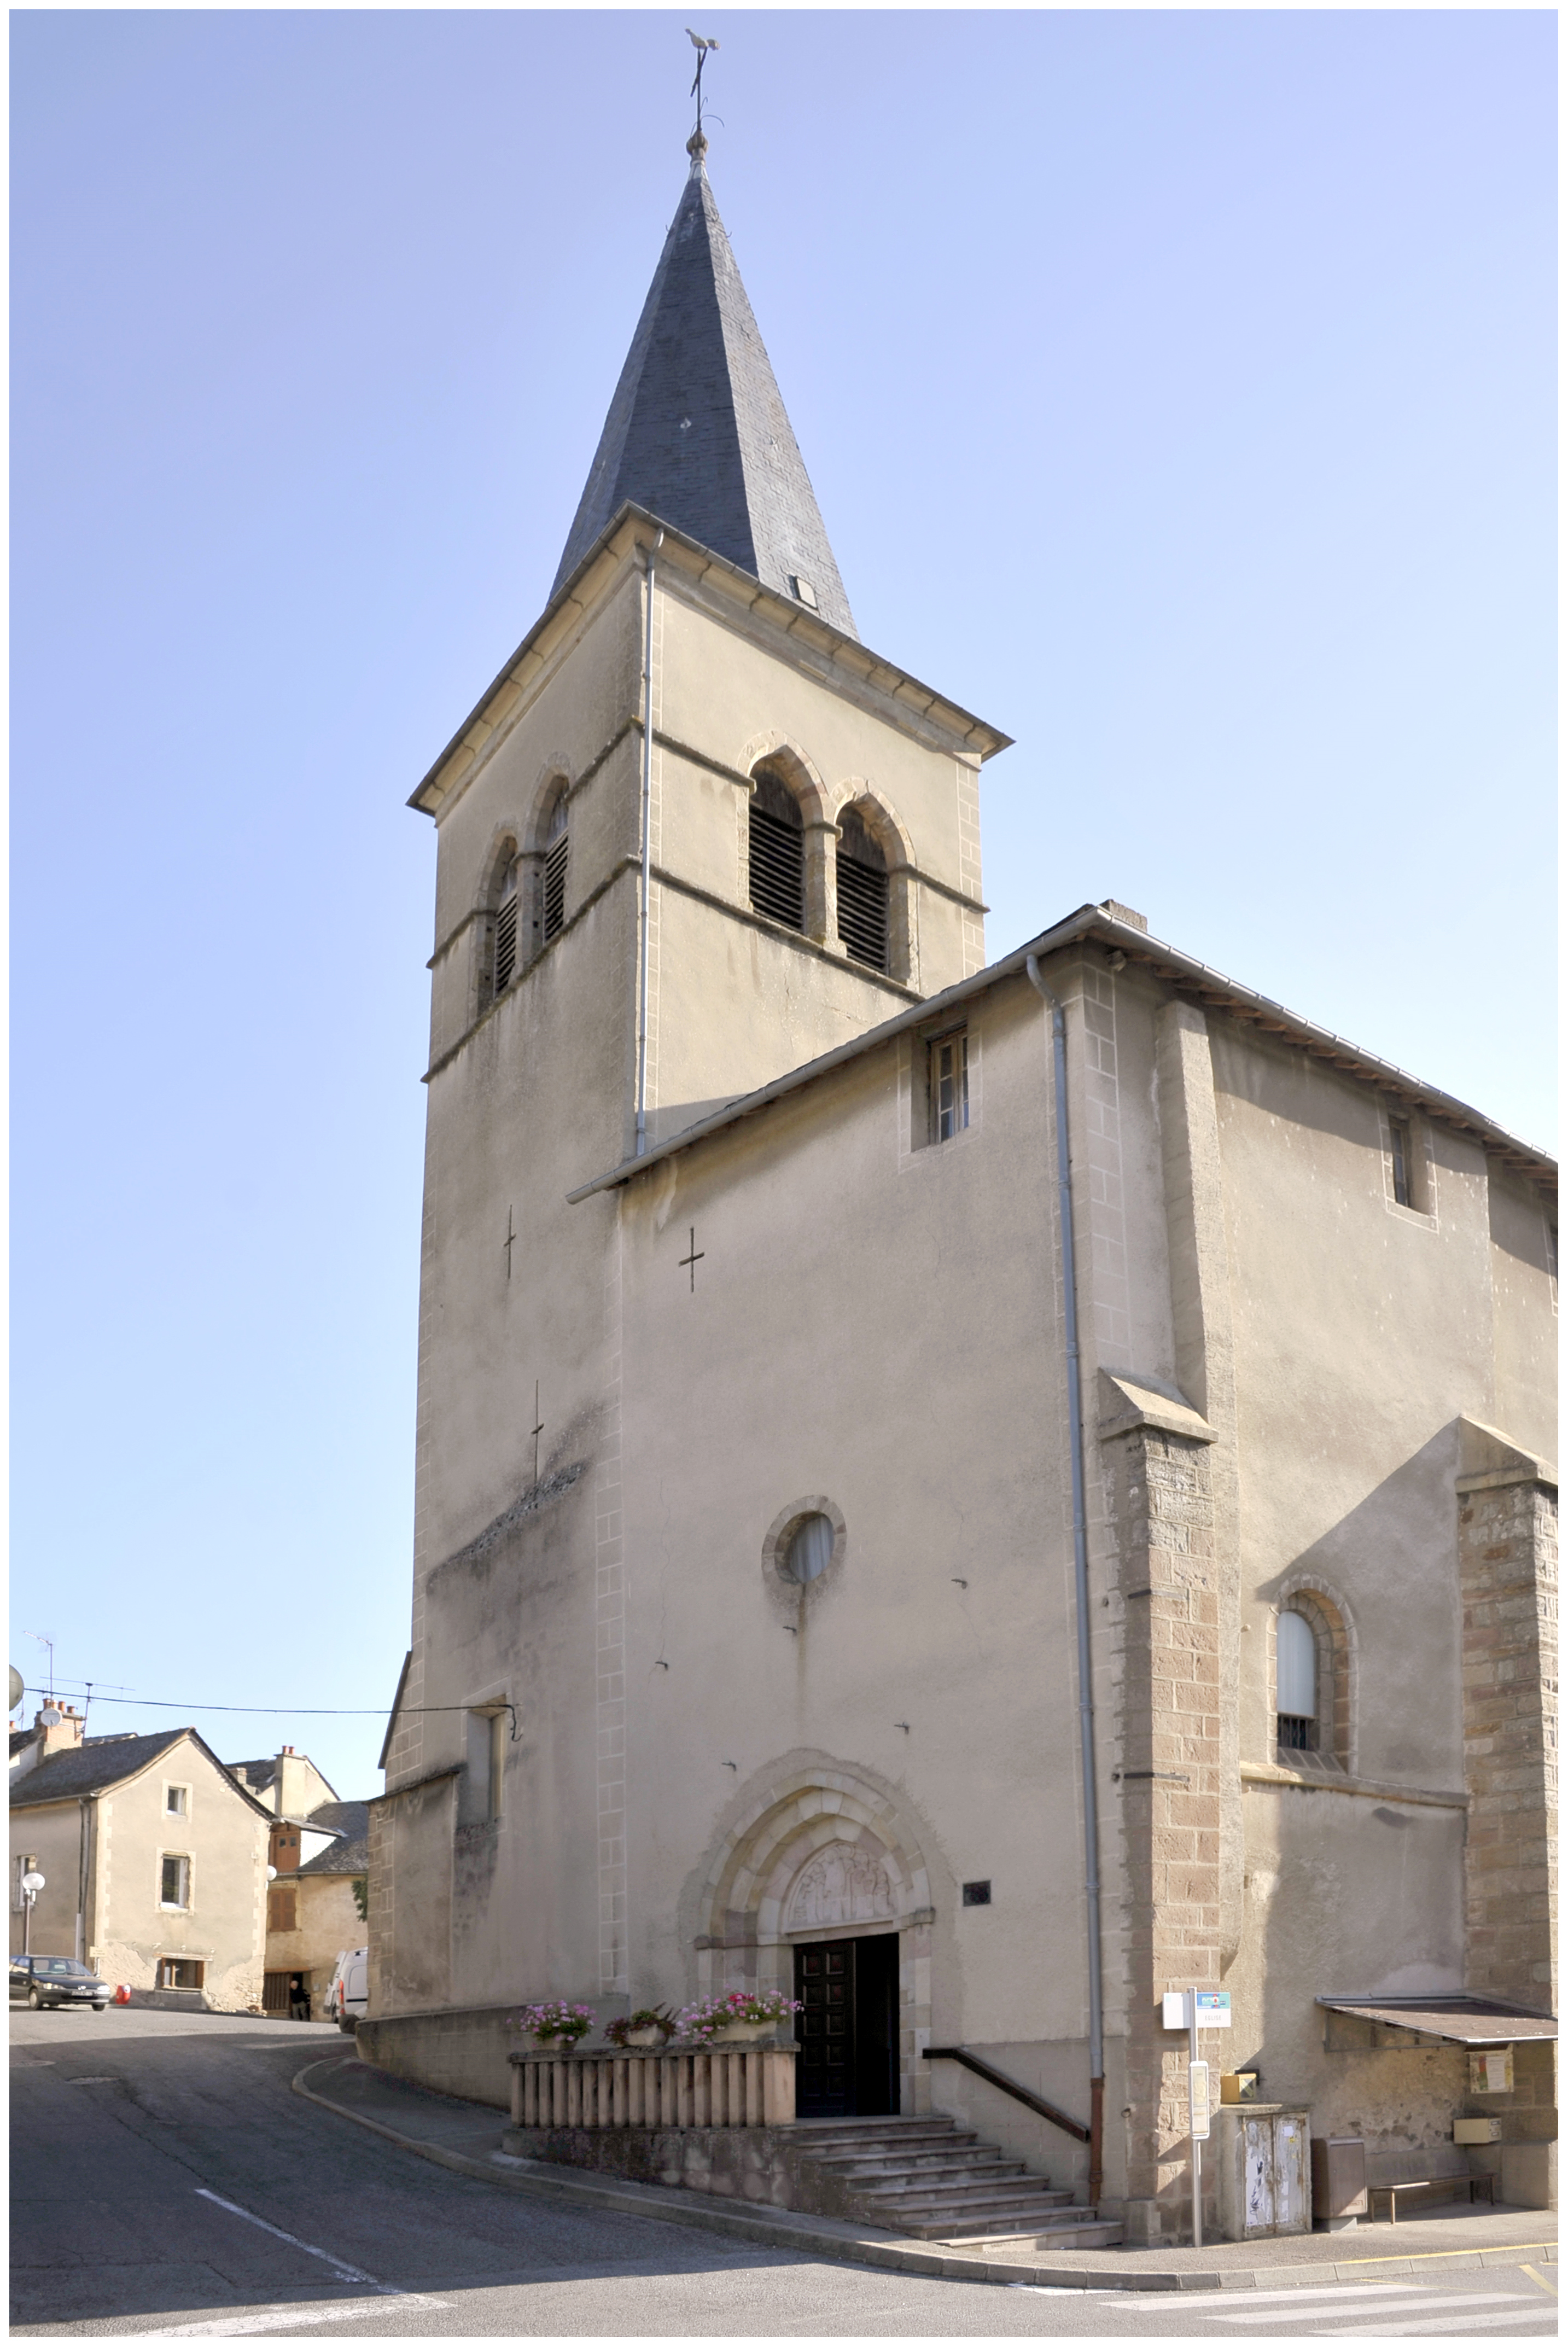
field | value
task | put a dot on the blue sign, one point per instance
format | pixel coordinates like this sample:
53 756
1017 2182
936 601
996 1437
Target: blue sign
1214 2008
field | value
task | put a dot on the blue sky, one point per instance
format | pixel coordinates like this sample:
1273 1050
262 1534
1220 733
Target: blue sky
1178 391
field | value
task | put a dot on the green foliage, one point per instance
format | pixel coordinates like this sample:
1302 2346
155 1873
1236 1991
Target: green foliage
361 1897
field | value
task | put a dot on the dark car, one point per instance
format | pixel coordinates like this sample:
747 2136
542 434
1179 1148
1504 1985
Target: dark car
55 1980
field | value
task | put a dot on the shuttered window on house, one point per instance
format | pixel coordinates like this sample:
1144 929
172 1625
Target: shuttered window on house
777 852
862 871
282 1907
555 845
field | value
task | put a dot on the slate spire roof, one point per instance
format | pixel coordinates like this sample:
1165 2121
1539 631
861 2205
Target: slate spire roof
697 432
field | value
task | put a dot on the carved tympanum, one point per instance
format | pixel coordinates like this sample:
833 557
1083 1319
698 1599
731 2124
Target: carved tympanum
843 1884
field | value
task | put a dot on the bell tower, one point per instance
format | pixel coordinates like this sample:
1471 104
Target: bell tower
694 835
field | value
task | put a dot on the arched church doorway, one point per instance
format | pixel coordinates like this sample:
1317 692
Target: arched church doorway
818 1887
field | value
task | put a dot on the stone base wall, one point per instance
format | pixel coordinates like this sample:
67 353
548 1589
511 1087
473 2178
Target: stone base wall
762 2164
452 2053
742 2163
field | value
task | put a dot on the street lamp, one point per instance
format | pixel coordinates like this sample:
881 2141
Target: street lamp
32 1883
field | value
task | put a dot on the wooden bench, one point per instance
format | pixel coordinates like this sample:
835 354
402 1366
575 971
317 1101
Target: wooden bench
1439 2169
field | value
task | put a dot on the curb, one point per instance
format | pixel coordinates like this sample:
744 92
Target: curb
785 2229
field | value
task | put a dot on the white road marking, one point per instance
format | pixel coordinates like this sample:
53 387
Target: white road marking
1461 2323
292 2318
109 2079
1308 2293
1415 2301
339 2265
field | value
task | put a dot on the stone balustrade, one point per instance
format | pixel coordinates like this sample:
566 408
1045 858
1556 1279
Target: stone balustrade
725 2085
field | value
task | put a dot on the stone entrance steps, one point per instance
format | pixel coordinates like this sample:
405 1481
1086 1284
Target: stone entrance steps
938 2181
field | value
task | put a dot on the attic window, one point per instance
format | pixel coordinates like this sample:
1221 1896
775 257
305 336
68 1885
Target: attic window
803 592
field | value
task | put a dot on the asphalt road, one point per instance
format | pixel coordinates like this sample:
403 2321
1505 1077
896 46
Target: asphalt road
165 2183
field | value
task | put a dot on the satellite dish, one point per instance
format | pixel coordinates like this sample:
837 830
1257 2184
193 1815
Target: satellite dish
49 1715
18 1689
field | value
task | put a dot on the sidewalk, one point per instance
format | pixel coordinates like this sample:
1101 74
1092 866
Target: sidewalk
466 2136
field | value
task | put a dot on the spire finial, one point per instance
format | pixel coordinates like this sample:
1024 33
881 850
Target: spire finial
697 146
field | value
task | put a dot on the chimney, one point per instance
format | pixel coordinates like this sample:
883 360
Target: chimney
291 1781
65 1736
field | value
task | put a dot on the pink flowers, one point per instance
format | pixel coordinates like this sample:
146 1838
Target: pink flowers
555 2023
746 2007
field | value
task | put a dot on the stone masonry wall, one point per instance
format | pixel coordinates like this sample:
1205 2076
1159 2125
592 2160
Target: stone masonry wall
1508 1586
1160 1502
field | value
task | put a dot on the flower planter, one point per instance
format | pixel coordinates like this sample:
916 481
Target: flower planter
743 2032
648 2041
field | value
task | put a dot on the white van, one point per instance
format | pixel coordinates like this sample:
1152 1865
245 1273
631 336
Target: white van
348 1993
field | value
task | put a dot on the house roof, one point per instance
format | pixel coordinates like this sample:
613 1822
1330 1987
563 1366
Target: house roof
1100 925
697 432
1457 2020
350 1855
100 1762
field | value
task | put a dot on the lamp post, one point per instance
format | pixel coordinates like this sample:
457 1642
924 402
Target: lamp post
32 1883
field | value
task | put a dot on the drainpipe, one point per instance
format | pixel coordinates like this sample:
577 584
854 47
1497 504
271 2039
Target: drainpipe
83 1859
1081 1590
642 1145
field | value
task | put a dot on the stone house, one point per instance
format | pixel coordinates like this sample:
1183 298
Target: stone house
1023 1485
317 1851
154 1862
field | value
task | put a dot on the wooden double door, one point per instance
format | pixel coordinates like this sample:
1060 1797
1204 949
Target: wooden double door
847 2028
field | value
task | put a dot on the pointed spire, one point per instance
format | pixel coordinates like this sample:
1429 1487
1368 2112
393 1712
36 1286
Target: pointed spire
697 432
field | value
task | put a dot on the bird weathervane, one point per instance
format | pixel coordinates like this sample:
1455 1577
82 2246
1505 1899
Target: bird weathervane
701 45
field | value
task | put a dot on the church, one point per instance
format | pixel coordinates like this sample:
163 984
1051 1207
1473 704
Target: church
984 1496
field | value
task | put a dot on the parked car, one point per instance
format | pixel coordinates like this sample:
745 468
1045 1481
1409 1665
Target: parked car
348 1991
55 1980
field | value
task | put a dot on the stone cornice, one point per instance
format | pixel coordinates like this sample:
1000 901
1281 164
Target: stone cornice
1363 1788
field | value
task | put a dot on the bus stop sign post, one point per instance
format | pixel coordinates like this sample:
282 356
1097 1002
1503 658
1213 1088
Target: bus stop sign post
1192 2009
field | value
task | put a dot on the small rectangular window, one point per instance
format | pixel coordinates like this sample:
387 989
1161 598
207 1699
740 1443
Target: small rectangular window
174 1887
480 1802
949 1085
180 1971
283 1909
174 1800
977 1895
1401 1160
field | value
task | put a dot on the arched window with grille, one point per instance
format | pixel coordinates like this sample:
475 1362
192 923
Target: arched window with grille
862 874
776 850
558 842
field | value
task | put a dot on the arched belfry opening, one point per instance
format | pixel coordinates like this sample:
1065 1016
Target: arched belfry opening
776 847
498 928
557 845
861 871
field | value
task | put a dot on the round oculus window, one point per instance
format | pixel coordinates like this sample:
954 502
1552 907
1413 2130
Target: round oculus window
810 1549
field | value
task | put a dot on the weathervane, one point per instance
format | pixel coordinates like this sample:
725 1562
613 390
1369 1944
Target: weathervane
701 45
